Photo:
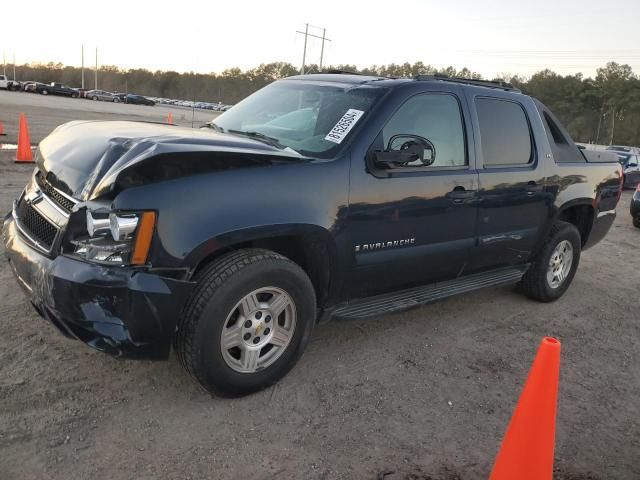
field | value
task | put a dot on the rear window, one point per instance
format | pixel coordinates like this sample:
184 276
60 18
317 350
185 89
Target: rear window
504 132
563 148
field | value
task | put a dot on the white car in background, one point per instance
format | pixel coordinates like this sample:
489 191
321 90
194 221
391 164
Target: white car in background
8 84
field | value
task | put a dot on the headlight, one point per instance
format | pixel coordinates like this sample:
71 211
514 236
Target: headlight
96 225
122 227
119 238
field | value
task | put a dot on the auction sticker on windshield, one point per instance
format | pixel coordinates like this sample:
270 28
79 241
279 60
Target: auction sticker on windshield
344 125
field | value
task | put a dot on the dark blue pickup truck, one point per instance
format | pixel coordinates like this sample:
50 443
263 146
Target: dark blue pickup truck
320 196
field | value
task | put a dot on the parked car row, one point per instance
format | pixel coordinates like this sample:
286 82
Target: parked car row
55 88
218 107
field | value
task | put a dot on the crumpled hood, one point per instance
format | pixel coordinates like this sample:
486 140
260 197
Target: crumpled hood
86 158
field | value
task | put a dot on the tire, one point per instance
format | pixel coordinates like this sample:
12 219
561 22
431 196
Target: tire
636 222
215 306
45 92
116 100
94 98
74 95
536 283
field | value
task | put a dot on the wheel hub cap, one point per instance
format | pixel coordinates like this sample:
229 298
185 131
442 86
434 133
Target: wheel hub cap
560 264
258 330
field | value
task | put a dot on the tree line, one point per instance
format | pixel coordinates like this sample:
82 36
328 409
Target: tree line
604 109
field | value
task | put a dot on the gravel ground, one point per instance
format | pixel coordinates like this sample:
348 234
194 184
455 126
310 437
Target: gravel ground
423 395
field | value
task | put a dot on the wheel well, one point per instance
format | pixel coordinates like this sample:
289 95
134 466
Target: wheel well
307 252
582 217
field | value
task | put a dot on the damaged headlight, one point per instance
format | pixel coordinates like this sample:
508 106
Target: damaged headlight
116 238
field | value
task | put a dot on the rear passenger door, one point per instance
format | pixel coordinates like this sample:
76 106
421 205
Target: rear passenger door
513 206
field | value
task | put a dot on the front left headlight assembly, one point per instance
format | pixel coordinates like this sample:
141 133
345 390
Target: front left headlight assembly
121 238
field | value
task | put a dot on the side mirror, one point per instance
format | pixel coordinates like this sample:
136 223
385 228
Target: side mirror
405 150
394 158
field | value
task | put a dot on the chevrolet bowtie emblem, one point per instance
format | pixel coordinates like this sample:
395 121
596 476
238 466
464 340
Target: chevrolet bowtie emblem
33 197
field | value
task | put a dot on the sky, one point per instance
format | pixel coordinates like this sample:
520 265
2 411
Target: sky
492 37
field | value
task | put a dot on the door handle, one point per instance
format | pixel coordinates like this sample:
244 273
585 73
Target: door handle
459 194
532 188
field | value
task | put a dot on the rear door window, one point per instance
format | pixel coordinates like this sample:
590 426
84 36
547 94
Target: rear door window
504 132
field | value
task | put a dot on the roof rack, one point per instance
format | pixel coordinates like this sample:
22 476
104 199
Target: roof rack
341 72
470 81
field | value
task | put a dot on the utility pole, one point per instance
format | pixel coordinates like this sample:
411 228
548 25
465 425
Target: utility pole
83 67
602 115
306 35
304 52
14 67
96 78
4 65
613 124
324 37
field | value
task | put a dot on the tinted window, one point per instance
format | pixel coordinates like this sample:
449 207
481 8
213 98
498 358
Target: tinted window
504 132
437 118
563 150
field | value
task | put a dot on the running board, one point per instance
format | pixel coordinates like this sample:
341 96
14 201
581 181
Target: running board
413 297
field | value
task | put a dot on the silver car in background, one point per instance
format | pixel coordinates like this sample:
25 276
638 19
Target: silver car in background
103 96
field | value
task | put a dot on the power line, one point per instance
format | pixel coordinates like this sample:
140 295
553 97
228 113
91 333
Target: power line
306 35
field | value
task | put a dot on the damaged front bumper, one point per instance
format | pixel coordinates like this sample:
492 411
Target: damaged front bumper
122 311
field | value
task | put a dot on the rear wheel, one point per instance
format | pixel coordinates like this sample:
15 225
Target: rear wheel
94 98
247 322
636 222
116 100
555 266
45 92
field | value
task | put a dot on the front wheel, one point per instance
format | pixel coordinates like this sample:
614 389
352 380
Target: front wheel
247 322
116 100
636 222
555 266
45 92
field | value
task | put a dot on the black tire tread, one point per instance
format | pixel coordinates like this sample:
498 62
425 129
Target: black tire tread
211 277
532 283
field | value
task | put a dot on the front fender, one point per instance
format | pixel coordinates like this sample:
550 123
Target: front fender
201 214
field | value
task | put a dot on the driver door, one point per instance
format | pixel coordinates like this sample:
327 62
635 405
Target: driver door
415 223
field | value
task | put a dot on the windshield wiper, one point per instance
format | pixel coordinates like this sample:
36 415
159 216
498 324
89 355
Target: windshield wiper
274 142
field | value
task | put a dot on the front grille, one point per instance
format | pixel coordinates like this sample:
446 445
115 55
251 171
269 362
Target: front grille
54 194
35 224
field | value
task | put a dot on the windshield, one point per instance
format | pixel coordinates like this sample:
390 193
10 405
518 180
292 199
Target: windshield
312 119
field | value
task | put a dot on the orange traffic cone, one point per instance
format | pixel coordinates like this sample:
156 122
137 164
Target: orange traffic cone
23 154
527 448
2 134
169 118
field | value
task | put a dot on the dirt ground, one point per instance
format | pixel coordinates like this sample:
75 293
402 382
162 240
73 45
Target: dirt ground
420 395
